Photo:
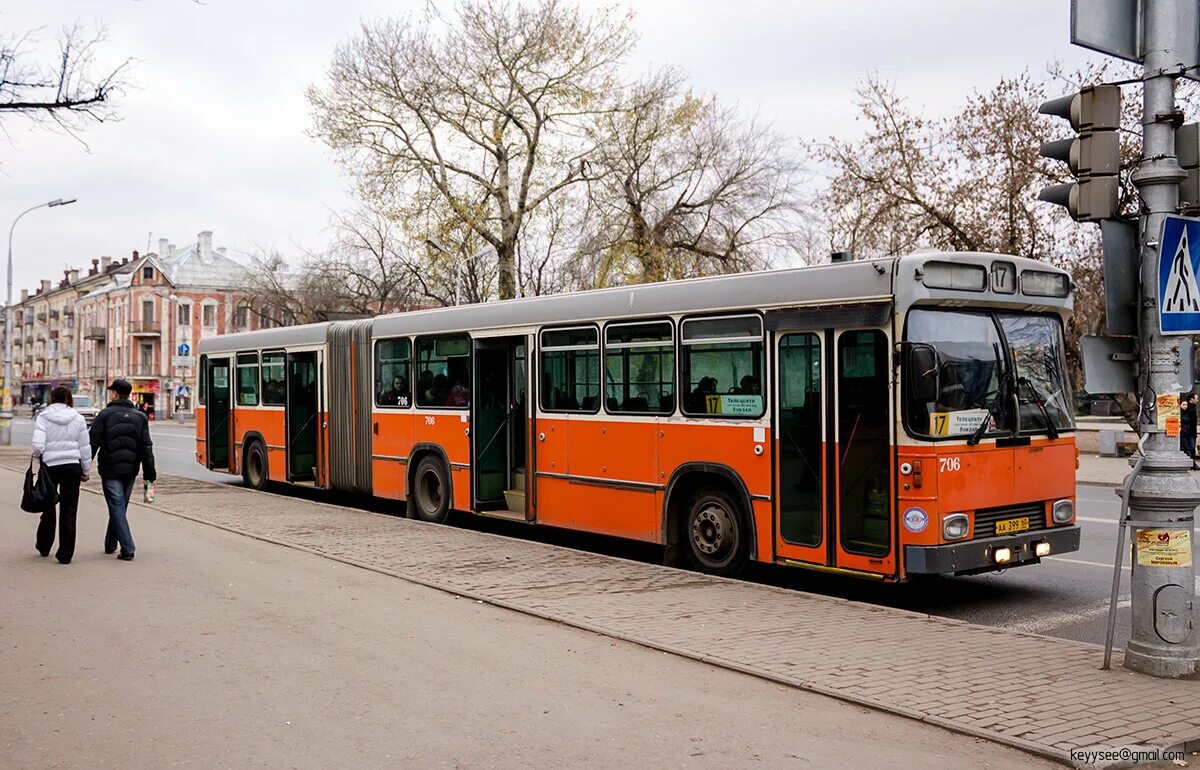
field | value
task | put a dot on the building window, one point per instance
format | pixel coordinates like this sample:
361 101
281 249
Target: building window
148 273
148 310
247 379
571 370
393 373
274 387
639 368
445 365
185 314
210 316
242 318
721 360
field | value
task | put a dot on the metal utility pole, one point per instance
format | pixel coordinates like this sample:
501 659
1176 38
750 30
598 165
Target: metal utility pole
1165 494
6 398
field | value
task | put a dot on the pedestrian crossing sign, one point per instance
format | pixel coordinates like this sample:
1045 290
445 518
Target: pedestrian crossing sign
1178 265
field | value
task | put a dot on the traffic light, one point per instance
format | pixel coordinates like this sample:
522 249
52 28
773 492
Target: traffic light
1094 157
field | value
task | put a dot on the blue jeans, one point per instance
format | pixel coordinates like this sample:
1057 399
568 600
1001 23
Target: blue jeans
117 493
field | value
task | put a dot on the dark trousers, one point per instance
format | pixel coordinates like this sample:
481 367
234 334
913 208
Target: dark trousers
66 480
117 493
1187 445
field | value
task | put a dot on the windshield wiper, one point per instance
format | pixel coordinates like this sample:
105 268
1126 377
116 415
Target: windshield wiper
978 435
1039 402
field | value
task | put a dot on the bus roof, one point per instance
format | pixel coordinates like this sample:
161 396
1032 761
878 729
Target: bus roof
286 336
853 281
843 282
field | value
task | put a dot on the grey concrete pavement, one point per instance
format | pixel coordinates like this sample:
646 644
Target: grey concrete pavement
1033 692
216 650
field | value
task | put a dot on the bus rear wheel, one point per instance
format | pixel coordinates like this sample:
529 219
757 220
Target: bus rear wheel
254 466
431 490
715 535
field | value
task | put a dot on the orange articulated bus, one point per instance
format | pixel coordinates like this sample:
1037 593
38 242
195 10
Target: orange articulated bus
882 418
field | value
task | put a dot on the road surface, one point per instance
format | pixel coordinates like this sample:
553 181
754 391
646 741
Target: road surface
1064 596
217 650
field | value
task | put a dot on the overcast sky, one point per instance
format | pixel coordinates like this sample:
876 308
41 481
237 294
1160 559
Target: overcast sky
213 134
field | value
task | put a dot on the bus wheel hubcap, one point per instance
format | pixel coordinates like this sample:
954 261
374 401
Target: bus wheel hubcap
712 530
432 489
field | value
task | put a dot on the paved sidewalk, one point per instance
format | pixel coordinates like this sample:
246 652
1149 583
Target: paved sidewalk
1042 695
1103 471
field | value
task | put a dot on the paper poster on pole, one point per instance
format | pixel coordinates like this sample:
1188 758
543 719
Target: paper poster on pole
1164 548
1168 414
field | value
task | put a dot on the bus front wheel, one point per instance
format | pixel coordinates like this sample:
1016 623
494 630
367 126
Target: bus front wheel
431 490
254 466
716 537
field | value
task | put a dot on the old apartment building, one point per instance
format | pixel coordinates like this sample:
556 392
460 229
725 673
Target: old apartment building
138 318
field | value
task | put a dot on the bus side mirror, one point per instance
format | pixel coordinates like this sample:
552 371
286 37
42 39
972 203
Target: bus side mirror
923 372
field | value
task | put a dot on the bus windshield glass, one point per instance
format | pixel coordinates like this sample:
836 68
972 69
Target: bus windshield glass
996 374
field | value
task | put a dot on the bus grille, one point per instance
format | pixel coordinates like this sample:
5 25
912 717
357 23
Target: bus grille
985 519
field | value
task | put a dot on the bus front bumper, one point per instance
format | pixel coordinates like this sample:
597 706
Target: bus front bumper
971 556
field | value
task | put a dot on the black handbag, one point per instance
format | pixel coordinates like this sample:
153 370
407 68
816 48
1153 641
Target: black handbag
39 494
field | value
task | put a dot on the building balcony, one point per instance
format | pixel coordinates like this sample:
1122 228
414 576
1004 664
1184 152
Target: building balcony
93 373
143 370
96 333
145 328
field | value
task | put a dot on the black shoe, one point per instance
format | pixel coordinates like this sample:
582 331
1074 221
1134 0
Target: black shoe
125 556
109 551
63 561
44 553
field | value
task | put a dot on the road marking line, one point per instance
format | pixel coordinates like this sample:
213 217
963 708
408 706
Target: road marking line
1043 624
1095 520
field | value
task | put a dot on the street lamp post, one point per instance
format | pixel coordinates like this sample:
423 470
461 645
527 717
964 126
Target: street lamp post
6 399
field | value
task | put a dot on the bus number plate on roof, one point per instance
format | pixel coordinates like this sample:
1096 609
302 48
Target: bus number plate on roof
1009 526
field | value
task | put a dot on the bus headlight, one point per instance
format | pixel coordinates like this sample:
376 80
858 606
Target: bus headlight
1062 511
1042 549
1002 555
955 526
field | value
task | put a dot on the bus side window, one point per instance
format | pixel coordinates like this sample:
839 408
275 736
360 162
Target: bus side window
445 371
393 373
639 367
722 363
570 365
247 379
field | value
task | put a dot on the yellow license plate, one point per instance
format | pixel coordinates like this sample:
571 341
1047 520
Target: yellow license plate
1009 526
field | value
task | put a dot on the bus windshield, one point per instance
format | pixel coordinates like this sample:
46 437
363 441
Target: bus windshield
997 374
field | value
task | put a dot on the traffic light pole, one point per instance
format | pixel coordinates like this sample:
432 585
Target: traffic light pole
1164 496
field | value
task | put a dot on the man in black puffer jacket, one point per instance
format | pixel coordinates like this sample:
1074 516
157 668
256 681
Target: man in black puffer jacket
121 435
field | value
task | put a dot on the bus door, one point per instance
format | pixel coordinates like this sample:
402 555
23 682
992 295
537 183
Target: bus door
302 414
833 449
802 444
217 413
499 424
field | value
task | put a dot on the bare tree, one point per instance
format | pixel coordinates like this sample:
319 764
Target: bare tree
485 110
688 187
69 91
970 182
366 265
281 294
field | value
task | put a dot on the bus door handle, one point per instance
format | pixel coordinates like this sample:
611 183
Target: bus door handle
542 436
375 428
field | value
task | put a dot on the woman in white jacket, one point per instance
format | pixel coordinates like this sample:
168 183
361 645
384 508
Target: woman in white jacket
60 439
